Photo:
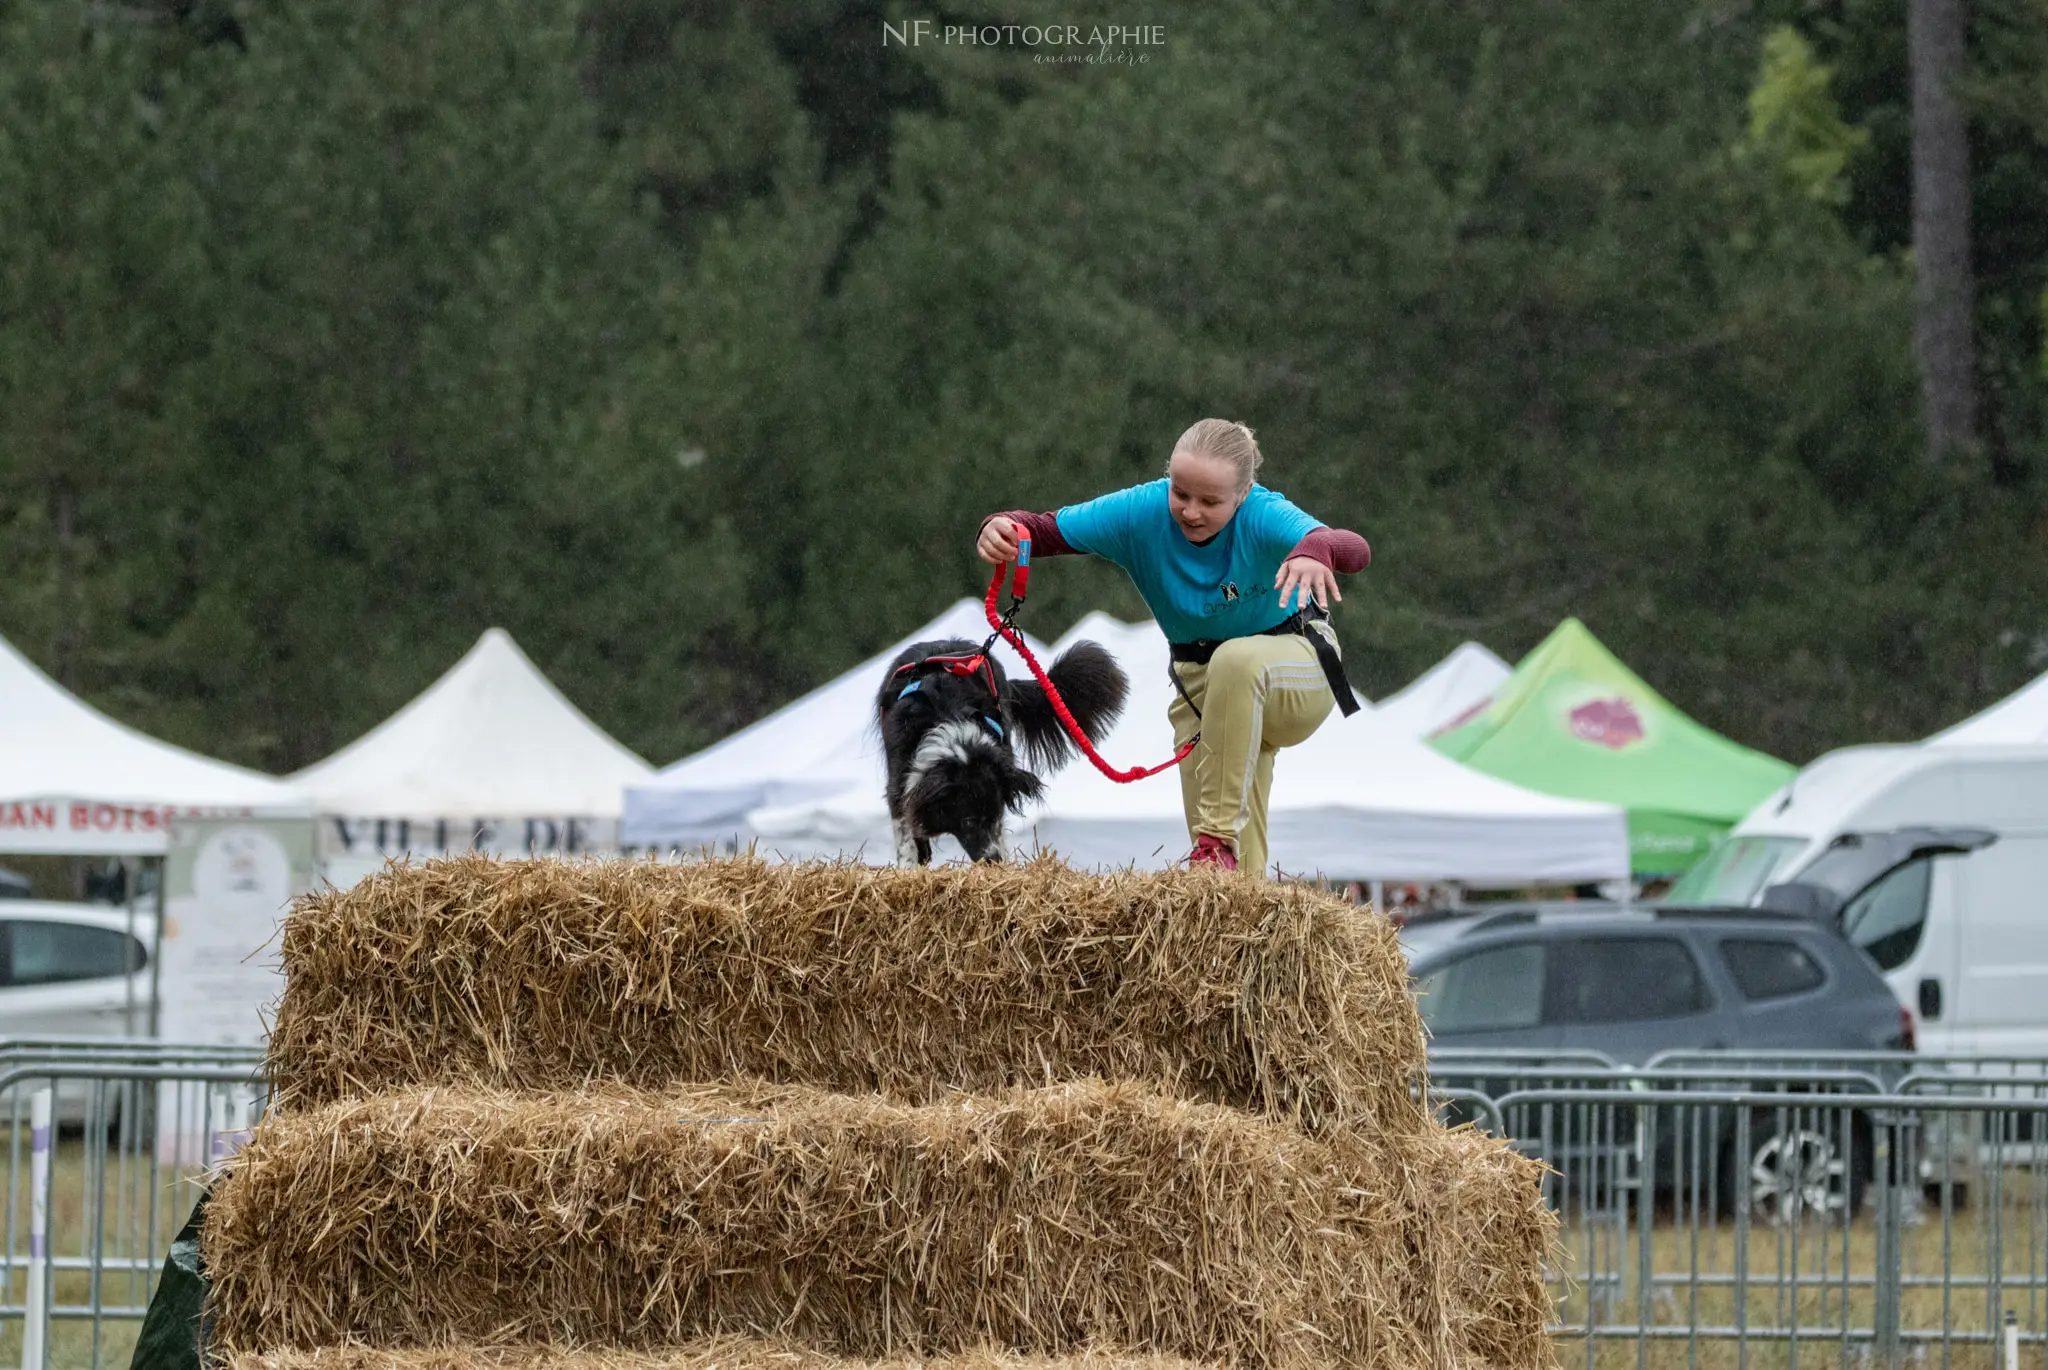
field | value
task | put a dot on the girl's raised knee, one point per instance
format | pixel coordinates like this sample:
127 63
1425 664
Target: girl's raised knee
1235 662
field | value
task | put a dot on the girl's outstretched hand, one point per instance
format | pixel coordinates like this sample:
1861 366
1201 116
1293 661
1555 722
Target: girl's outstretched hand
1301 577
998 541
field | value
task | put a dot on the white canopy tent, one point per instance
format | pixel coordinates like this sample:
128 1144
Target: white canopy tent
490 757
1358 801
2018 720
74 782
1444 693
820 745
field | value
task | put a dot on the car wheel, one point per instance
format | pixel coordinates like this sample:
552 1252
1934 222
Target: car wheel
1797 1170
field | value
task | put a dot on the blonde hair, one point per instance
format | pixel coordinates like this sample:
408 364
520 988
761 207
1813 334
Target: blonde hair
1226 441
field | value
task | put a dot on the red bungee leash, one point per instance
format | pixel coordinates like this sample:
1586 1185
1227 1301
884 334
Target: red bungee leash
1006 628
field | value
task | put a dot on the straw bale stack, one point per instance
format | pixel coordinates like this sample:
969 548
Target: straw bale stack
719 1353
545 974
1041 1220
538 1116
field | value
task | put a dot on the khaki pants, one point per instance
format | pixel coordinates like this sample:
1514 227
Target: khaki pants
1256 695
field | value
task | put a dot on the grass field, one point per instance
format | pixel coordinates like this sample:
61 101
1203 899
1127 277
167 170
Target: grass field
1692 1284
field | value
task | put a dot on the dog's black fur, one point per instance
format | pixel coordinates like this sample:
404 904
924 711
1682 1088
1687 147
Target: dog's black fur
950 771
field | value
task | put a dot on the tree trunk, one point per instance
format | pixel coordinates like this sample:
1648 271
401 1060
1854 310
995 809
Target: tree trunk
69 627
1945 296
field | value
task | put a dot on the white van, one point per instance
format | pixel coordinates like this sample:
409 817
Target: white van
1955 839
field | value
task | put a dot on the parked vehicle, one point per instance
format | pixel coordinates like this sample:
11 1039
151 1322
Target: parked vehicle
1629 984
1934 860
73 970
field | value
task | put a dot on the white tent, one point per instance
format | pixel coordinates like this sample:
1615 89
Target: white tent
491 756
820 745
2020 719
1444 693
1358 801
73 781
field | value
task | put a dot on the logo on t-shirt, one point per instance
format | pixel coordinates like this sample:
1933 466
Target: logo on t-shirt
1230 592
1612 723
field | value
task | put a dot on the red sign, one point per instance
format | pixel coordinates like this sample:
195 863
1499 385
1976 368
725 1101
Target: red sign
1608 722
79 816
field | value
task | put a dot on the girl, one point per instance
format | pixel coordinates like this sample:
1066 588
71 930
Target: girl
1218 559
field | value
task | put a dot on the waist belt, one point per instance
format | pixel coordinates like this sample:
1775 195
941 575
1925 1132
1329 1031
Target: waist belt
1324 642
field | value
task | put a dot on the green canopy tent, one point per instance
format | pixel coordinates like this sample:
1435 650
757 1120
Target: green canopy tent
1573 721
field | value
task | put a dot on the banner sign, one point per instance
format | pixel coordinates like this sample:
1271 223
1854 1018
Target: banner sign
227 883
92 827
546 835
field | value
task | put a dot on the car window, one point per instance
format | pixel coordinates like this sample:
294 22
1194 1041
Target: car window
1770 967
1622 979
1489 991
40 953
1733 870
1886 919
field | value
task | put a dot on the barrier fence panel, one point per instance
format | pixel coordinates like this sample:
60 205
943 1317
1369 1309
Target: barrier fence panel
1771 1227
136 1126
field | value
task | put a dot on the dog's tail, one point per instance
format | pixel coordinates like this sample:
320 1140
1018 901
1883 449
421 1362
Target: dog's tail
1094 687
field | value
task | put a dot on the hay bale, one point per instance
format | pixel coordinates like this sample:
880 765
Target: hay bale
546 974
1485 1231
1040 1220
718 1353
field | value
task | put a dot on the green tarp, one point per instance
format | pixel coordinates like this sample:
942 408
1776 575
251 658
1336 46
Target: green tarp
174 1331
1573 721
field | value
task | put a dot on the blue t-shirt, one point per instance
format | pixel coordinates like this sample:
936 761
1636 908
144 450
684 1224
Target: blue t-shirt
1221 589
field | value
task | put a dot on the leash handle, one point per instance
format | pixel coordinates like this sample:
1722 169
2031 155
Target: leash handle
1005 629
1022 569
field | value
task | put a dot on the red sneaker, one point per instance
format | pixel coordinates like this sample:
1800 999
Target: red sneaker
1212 851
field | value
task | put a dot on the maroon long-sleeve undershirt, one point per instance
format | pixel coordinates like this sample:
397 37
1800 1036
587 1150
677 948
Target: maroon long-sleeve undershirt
1340 549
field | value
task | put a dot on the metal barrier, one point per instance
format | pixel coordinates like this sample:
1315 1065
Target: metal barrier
136 1127
1899 1063
1556 1060
1764 1208
1656 1250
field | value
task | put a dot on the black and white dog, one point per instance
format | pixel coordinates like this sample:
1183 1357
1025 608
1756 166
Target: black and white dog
951 725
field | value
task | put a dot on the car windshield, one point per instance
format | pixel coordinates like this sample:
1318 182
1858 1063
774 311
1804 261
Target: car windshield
1735 870
1418 938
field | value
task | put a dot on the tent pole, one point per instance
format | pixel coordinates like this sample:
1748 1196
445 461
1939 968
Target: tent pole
128 877
156 956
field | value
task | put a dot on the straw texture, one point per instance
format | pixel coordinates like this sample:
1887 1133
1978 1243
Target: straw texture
720 1353
1488 1233
1042 1220
543 974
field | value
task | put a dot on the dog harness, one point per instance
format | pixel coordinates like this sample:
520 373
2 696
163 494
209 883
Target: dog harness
978 664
